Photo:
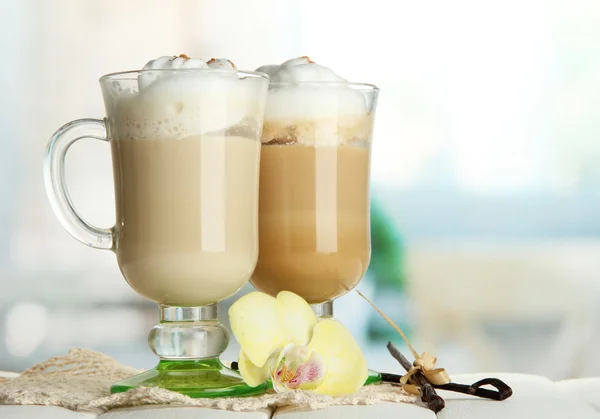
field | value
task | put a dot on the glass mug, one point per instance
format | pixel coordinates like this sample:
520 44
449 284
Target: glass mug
314 206
185 149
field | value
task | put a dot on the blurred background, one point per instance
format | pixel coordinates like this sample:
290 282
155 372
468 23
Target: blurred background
486 169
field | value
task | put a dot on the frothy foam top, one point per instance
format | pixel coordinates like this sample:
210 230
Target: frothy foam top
167 63
222 63
176 104
310 104
298 70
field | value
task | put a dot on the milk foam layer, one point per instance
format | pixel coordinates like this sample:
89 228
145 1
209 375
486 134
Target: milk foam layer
174 104
300 69
222 63
310 104
167 63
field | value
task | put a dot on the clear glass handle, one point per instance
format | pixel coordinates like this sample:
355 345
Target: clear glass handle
54 176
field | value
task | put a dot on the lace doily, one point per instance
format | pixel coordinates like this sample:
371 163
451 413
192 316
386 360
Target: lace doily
81 380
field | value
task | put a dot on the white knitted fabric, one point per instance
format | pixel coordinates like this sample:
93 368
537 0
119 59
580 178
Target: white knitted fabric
81 380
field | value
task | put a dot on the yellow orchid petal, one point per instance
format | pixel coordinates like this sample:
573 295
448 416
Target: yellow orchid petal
257 323
299 319
253 375
346 364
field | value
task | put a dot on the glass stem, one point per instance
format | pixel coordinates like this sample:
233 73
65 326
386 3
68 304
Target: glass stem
323 310
188 333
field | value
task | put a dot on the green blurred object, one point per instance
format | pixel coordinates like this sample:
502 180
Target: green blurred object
387 272
387 251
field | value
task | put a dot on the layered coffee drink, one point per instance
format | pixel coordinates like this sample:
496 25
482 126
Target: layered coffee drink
185 140
314 183
186 155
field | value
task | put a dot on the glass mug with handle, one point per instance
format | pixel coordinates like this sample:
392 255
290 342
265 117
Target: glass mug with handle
185 150
314 210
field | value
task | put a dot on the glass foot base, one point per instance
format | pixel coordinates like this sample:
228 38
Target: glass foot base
201 378
373 378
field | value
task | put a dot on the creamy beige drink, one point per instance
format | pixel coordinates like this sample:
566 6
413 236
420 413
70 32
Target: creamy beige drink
314 228
186 154
186 221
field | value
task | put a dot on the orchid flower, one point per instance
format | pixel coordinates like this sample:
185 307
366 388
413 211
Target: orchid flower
282 339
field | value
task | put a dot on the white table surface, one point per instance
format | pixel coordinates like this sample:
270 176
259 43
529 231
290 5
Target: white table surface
534 398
